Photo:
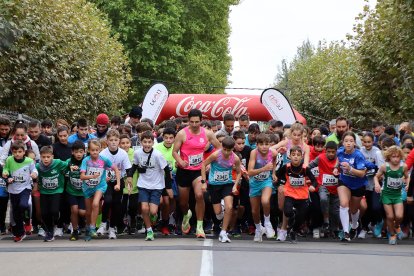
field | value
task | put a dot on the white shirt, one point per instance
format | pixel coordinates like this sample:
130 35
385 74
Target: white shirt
120 160
153 178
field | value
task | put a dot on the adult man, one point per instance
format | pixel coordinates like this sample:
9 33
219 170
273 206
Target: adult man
214 128
82 133
378 129
274 125
228 122
102 122
244 121
36 135
191 142
134 117
342 126
5 127
405 128
178 122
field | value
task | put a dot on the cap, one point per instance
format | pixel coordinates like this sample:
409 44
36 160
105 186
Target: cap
324 130
136 111
102 119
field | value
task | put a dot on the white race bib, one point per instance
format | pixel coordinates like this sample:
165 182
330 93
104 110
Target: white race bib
195 160
315 171
94 181
76 183
371 172
136 148
143 162
221 176
297 182
50 184
329 180
262 176
2 183
394 183
19 177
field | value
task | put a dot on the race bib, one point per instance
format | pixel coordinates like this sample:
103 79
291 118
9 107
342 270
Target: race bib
221 176
195 160
371 172
143 162
94 181
50 184
262 176
329 180
19 177
394 183
297 182
112 175
315 171
348 173
76 183
136 148
2 183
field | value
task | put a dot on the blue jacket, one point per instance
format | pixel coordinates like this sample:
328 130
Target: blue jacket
75 137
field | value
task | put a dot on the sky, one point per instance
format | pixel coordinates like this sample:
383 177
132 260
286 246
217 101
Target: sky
266 31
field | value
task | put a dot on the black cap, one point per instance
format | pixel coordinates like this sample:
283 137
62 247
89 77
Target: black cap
324 130
136 112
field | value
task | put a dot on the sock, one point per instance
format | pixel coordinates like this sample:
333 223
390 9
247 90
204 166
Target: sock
223 232
258 226
86 227
103 224
149 229
326 220
343 214
92 227
354 218
199 223
186 216
267 219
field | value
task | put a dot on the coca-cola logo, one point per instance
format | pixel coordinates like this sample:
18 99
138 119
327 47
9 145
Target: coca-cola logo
217 109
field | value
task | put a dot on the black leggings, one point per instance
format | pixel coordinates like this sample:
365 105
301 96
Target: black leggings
3 209
295 218
130 206
50 206
112 201
315 210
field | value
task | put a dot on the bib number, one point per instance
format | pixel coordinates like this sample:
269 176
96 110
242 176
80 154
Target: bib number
195 160
297 182
50 184
221 176
262 176
95 181
112 175
394 183
143 162
76 183
19 177
329 180
136 148
371 172
315 171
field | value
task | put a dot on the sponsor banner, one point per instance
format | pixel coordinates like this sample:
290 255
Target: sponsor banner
278 106
154 101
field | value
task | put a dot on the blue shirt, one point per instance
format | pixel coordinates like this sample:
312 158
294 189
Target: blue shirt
247 143
376 141
75 137
357 161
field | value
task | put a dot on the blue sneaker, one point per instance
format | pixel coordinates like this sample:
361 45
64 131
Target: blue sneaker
378 229
93 233
49 237
399 233
341 234
208 226
178 231
237 231
87 236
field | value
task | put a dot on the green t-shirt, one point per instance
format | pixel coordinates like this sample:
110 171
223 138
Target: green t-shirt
74 183
134 190
52 181
167 152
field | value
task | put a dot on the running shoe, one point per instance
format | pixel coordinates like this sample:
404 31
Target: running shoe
70 228
230 232
346 237
185 227
164 231
58 232
102 229
49 237
178 231
28 228
93 233
111 234
282 235
200 232
378 229
251 230
336 235
399 233
208 226
150 236
316 234
19 239
353 232
362 234
142 230
41 232
237 231
270 232
325 228
293 238
132 231
74 236
87 236
371 228
304 230
3 230
224 238
393 240
259 234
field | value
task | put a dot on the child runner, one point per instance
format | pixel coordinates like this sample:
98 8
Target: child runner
114 192
51 185
261 170
4 200
292 177
220 181
74 191
20 169
93 175
395 173
351 187
151 166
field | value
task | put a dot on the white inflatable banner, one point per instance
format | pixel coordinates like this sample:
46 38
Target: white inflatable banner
154 101
278 106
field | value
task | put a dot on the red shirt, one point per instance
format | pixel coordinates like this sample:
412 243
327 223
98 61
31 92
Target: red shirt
326 177
312 156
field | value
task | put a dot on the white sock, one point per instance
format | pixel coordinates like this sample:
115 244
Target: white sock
223 232
103 224
149 229
259 226
110 228
343 214
267 220
354 218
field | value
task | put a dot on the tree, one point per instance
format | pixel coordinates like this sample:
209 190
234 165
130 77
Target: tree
59 60
182 41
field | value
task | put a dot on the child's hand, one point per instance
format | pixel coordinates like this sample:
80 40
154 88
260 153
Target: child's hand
410 200
311 189
377 188
108 178
33 175
10 180
74 168
96 175
274 177
170 193
335 171
33 191
117 187
5 175
129 181
268 167
234 191
282 150
281 190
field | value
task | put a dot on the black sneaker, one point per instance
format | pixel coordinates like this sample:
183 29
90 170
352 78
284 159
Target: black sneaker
325 228
353 233
346 237
293 238
75 236
132 231
336 235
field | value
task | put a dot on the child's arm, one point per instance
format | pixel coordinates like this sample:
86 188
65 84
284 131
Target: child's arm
274 153
88 177
306 150
6 170
118 178
35 188
380 172
238 174
33 171
312 178
314 163
207 162
281 176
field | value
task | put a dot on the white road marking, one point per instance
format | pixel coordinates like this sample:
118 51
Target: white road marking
207 260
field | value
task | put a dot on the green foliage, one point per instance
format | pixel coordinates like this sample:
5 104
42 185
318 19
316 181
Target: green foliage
174 40
59 60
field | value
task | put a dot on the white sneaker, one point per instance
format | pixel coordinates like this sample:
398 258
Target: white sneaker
282 235
102 229
142 231
41 232
258 234
58 232
316 234
270 233
371 228
112 234
362 234
70 228
322 235
224 238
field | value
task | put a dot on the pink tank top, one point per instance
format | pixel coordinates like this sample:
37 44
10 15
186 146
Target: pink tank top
192 150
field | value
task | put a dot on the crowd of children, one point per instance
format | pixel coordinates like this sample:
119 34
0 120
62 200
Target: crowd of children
195 176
